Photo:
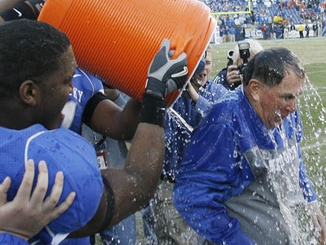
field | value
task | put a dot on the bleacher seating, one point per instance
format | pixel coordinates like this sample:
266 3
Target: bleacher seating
265 10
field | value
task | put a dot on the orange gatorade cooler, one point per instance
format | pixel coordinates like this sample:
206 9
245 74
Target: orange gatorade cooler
117 39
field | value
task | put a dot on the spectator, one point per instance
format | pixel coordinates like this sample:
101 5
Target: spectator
273 31
243 179
232 34
292 30
294 4
227 36
315 29
320 29
300 29
223 34
243 32
286 31
264 31
307 29
253 17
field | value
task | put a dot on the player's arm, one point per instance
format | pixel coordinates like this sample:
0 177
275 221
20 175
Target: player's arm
106 118
29 212
114 122
128 190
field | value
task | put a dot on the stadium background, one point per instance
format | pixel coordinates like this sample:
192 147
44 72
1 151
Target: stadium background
251 15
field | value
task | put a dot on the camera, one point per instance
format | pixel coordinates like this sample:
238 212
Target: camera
229 57
244 52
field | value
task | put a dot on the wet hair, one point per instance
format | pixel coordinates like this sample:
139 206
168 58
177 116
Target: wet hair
29 50
270 66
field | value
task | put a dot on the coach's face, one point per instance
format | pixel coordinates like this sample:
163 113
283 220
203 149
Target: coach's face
276 103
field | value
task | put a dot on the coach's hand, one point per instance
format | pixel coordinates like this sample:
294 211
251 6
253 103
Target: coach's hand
166 75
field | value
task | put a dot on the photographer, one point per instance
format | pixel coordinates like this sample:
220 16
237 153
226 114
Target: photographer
230 77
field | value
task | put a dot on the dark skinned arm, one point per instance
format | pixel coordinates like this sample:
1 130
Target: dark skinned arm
136 183
110 120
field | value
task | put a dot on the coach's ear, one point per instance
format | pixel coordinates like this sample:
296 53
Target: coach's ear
254 88
28 92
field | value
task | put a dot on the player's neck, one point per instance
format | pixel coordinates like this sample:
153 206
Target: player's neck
14 119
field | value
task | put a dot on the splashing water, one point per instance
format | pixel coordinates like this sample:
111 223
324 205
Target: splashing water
313 144
313 117
179 120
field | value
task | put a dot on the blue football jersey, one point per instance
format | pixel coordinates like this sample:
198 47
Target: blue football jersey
8 239
85 87
63 150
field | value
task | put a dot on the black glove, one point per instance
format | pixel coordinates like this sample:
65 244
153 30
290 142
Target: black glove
166 75
29 9
37 5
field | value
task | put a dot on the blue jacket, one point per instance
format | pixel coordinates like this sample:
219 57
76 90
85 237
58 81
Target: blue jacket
177 134
238 179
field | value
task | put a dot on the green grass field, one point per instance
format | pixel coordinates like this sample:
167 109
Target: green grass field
312 104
